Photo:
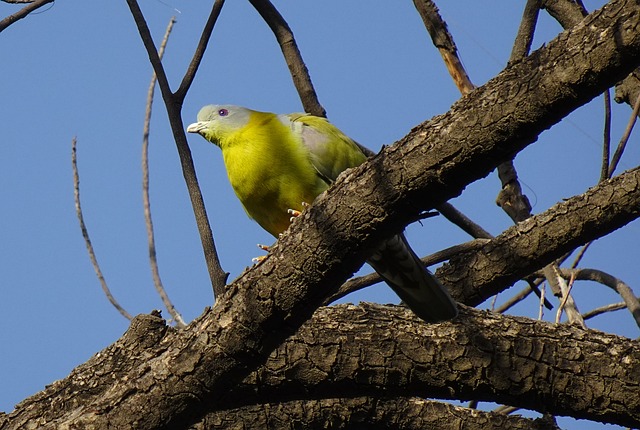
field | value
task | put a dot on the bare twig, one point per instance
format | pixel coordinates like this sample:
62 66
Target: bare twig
173 105
443 41
292 56
606 141
581 253
560 289
631 301
461 220
604 309
565 297
190 74
153 262
625 137
85 235
533 287
22 12
542 299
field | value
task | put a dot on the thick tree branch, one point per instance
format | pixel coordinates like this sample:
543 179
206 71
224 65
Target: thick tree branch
524 248
362 351
368 349
366 412
185 374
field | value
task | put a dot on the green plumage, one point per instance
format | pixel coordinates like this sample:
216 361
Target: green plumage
277 162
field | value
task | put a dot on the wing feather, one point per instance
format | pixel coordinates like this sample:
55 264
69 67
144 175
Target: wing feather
330 151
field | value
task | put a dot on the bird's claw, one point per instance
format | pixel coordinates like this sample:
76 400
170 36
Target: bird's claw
296 213
259 259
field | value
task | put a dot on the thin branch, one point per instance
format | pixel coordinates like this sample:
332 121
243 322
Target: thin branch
603 310
173 105
22 13
631 301
443 41
581 253
85 235
625 137
511 198
153 262
606 141
292 56
565 298
533 286
461 220
542 299
560 289
190 74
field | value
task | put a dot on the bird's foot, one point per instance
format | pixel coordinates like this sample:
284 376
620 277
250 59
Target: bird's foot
259 259
296 213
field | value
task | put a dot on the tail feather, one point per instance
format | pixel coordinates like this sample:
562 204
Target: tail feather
401 268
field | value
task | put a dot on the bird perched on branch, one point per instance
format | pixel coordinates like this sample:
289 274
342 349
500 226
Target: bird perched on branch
278 162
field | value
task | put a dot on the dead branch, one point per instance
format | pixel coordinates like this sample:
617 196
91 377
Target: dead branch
631 301
153 261
173 104
85 235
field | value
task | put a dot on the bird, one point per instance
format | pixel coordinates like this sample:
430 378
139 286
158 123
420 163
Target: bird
277 163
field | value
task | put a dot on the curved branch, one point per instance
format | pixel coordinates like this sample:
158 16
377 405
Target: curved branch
146 202
631 301
87 240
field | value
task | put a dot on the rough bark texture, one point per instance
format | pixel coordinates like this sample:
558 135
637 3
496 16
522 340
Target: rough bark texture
477 275
364 412
373 349
174 381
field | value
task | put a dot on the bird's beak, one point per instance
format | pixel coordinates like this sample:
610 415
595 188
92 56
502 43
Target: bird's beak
197 127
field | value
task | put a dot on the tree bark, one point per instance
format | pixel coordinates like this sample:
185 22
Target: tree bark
366 412
530 245
176 380
372 349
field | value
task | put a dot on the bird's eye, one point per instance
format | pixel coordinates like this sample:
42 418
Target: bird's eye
223 112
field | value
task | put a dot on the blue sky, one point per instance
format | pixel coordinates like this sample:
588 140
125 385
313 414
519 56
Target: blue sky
79 69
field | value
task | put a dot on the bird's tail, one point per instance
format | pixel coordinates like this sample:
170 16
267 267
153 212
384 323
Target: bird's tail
401 268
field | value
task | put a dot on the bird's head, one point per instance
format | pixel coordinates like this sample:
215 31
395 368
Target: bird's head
216 122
